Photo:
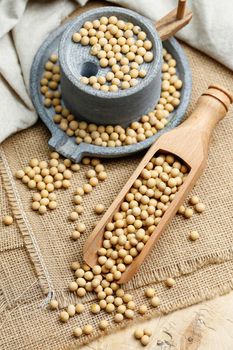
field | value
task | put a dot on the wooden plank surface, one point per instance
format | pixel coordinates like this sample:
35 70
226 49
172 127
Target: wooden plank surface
205 326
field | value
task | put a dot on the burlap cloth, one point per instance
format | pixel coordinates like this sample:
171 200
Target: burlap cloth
36 251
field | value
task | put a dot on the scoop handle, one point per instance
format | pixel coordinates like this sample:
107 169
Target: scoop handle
195 132
211 107
171 23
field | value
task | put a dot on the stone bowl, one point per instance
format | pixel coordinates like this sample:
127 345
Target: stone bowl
96 106
66 145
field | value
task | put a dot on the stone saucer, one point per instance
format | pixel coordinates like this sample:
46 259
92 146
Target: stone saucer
66 145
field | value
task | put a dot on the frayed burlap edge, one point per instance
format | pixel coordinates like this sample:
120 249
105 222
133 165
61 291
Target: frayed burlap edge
25 227
182 268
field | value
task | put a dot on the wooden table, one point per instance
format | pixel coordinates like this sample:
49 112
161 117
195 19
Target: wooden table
205 326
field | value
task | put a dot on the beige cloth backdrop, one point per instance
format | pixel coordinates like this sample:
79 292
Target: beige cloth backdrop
35 252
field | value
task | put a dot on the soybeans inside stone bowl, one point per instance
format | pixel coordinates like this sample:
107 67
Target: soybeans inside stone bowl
111 61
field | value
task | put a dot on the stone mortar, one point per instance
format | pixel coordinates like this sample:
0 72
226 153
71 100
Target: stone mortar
96 106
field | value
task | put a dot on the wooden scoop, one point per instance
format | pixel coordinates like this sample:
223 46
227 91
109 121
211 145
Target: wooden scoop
168 25
189 142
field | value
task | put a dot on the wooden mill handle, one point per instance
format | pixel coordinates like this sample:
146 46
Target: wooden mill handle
181 9
173 21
